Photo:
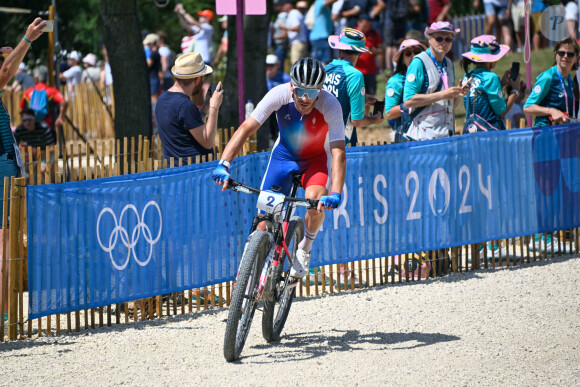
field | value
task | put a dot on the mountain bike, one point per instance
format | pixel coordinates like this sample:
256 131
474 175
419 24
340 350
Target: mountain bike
264 271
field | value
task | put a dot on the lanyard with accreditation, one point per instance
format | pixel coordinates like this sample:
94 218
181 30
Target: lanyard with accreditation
573 115
442 71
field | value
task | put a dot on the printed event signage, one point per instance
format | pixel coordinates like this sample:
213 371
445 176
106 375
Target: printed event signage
105 241
251 7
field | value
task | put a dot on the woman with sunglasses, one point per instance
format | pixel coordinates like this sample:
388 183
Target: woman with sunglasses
552 99
485 105
394 89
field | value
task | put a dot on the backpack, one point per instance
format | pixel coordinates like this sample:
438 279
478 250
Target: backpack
39 103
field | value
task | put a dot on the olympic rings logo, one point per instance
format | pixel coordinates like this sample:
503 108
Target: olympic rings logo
120 231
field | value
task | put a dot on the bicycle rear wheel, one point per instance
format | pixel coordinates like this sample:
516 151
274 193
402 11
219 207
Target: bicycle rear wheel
276 311
244 301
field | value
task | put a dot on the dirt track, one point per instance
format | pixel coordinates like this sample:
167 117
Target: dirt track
516 326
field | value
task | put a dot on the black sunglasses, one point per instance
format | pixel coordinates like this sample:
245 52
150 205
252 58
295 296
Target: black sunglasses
27 119
412 52
569 54
439 39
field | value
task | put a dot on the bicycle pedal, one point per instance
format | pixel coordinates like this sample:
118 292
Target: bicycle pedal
293 283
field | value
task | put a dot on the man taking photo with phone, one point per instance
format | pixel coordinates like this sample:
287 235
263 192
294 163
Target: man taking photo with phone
182 131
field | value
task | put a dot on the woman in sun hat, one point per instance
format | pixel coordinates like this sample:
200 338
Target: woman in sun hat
394 89
430 95
485 105
552 99
346 83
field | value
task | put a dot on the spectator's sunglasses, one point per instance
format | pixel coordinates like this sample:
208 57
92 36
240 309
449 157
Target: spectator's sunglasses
440 39
27 119
569 54
412 52
309 93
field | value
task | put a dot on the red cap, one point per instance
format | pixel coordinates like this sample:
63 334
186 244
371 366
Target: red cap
208 13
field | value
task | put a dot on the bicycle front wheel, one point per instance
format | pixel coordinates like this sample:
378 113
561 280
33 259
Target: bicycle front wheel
277 308
244 297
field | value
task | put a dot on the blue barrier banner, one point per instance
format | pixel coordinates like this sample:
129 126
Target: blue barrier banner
100 242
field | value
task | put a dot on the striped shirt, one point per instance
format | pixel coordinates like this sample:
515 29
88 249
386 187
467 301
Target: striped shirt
41 136
6 138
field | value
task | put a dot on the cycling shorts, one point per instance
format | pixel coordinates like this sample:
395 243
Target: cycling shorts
315 171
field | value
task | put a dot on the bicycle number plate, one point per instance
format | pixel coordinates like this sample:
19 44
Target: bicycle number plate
270 202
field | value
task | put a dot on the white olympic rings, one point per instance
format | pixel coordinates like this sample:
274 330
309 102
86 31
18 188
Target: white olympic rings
122 231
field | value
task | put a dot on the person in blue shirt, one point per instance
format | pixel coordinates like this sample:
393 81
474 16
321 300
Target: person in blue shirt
485 105
274 76
346 83
321 30
394 88
430 96
552 99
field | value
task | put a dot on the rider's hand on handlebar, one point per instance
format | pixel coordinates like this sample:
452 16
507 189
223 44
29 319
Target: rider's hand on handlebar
221 176
330 202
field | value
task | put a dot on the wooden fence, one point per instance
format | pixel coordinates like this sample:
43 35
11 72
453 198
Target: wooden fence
90 114
103 158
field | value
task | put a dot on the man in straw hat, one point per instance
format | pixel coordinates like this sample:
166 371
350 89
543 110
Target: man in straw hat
346 83
182 131
429 94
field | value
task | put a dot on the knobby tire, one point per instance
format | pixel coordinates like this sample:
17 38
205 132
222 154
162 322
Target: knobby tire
276 311
241 313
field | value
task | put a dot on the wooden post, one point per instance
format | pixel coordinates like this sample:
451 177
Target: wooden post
17 191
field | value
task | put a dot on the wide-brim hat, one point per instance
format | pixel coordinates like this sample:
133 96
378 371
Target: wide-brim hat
349 39
189 66
150 39
485 48
441 26
406 44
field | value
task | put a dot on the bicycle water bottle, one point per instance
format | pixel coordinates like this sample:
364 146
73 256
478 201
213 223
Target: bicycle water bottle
249 108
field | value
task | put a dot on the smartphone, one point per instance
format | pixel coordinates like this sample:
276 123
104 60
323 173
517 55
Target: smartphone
468 83
212 88
379 108
49 26
515 70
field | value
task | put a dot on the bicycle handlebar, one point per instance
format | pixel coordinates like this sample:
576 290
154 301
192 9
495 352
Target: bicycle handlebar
240 187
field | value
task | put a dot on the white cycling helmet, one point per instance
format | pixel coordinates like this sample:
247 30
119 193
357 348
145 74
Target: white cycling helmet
308 73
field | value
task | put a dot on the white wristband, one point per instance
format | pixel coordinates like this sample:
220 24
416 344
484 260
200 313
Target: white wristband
224 163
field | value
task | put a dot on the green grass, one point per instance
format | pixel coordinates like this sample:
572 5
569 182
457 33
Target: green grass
541 60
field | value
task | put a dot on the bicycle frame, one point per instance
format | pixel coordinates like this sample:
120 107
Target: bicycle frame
279 228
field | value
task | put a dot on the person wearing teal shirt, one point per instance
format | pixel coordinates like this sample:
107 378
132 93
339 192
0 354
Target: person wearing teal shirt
394 89
346 83
485 105
552 99
429 95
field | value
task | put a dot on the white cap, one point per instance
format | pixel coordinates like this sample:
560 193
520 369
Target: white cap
271 59
22 66
75 55
223 19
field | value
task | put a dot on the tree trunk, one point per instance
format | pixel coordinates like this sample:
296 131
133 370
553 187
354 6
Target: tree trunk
122 37
255 50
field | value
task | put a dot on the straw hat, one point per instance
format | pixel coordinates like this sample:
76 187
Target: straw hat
189 66
151 39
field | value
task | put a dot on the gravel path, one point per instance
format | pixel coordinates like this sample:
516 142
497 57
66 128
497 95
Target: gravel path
515 326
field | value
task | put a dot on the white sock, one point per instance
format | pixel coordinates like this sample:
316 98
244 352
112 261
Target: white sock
306 243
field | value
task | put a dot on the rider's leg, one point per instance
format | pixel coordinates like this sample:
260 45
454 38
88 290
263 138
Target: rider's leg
313 219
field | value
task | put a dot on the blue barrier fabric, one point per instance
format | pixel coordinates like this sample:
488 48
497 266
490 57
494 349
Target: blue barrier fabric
100 242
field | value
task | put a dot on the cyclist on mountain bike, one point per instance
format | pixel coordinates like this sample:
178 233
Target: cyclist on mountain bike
311 139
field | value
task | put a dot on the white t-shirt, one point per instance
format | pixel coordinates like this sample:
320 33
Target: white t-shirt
187 43
166 52
203 37
295 18
73 75
340 23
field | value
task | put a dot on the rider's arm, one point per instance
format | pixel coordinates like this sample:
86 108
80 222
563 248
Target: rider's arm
337 149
